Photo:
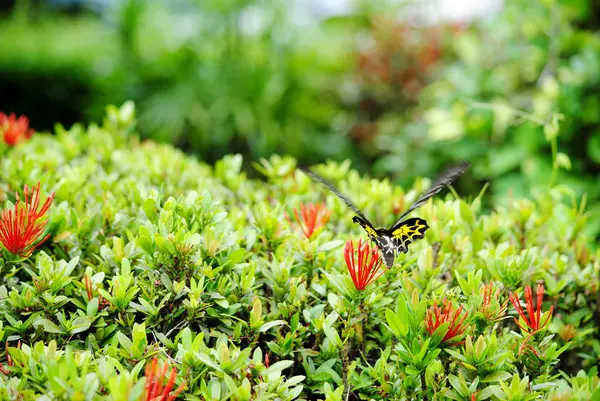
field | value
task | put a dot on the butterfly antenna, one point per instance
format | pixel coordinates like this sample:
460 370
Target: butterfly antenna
337 193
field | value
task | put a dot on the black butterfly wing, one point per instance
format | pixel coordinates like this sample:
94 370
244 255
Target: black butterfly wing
447 178
408 232
339 195
368 227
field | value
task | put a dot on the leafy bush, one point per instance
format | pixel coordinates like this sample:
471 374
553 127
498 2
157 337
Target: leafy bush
225 287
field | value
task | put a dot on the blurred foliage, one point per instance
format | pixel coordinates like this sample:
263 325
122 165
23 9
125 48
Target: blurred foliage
515 92
522 99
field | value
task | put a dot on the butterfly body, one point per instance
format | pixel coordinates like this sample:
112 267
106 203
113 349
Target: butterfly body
404 232
396 239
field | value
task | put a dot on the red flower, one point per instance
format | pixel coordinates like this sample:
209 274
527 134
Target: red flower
9 361
446 314
14 129
313 217
154 383
493 311
533 322
367 266
20 228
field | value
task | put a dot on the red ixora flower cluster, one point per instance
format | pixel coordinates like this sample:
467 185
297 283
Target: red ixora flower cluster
437 316
312 217
14 129
364 263
532 323
154 390
21 228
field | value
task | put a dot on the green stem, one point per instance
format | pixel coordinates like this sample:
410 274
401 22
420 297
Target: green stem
517 112
360 327
554 146
353 313
345 362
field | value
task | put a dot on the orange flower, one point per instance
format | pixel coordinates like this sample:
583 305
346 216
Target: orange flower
20 228
154 383
366 268
14 129
313 217
532 323
443 315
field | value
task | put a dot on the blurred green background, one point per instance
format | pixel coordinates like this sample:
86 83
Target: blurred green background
392 86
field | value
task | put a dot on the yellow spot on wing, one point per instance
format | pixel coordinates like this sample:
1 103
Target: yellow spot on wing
370 230
409 231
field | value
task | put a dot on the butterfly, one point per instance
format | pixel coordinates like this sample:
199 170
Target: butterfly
402 233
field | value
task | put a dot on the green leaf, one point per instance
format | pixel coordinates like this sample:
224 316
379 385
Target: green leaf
107 296
48 326
459 385
487 393
456 355
421 355
496 376
256 314
396 325
92 307
439 333
269 325
329 246
242 359
80 324
277 367
236 256
125 342
208 361
330 332
333 336
431 356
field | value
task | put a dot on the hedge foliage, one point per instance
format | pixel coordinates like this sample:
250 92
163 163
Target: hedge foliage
396 98
156 261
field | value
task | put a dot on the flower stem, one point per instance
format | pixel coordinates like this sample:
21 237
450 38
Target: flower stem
360 326
345 363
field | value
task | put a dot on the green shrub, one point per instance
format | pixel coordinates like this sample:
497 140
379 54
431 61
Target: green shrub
152 254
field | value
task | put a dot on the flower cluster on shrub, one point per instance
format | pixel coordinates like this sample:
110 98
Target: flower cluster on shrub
21 227
133 272
14 130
